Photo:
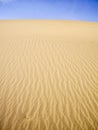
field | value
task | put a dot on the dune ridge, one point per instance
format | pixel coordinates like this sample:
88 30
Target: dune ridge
48 75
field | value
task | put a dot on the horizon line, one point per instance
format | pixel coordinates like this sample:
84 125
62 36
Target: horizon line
48 20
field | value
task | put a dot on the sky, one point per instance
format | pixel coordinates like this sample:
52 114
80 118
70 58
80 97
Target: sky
85 10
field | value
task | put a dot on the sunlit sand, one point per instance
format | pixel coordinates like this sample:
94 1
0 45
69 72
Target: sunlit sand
48 75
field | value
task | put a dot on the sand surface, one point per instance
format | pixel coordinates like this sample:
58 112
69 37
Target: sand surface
48 75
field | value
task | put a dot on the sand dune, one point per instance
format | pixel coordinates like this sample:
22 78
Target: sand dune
48 75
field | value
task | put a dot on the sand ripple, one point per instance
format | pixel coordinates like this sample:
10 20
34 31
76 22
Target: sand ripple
48 83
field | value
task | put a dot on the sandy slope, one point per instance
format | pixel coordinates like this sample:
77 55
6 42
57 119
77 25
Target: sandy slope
48 75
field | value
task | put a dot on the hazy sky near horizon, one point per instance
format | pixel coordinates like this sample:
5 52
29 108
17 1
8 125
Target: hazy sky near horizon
86 10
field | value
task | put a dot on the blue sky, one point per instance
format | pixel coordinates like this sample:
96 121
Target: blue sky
86 10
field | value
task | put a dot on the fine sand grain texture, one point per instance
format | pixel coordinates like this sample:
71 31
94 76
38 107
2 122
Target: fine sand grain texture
48 75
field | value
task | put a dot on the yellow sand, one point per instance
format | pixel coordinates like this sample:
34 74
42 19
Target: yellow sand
48 75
